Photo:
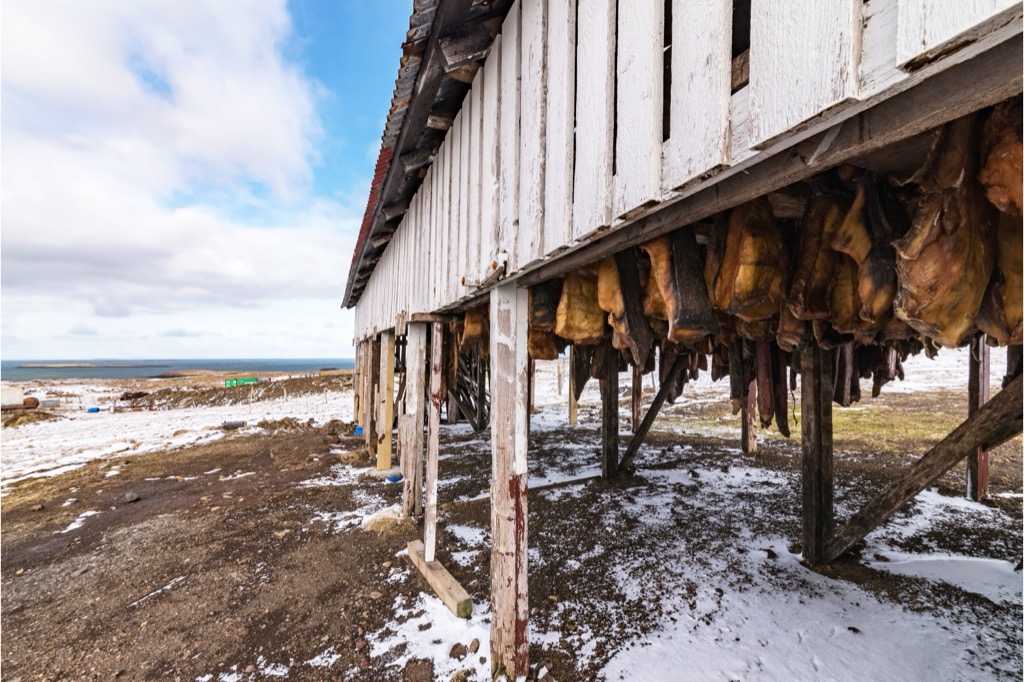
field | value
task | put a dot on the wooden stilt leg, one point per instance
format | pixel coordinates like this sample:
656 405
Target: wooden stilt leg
816 437
637 398
509 417
610 413
748 423
977 395
357 375
573 406
386 416
659 399
410 429
430 512
372 387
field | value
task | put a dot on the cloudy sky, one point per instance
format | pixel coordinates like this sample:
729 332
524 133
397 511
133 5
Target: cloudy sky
185 178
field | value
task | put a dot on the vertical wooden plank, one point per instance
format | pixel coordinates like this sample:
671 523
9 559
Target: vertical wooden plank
370 396
509 395
457 247
701 90
573 406
533 129
804 60
977 395
412 452
927 28
464 171
595 96
491 125
638 105
610 413
474 185
748 420
561 113
816 441
445 224
509 137
435 228
387 400
637 395
357 374
433 440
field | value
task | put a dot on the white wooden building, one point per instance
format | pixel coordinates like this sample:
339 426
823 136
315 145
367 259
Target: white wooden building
527 139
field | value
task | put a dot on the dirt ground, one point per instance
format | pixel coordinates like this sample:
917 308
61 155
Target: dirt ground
195 566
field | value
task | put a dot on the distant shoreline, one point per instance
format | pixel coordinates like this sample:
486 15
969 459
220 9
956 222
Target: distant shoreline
84 365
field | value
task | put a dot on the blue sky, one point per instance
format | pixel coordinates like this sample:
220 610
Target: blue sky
181 178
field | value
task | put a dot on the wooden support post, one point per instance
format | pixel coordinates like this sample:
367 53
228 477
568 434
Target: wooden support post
637 399
748 417
410 425
659 399
977 395
370 397
509 417
573 403
994 423
357 383
816 440
610 412
433 440
386 417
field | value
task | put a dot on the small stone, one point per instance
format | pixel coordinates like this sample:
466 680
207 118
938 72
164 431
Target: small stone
131 496
474 646
881 557
364 663
458 651
361 644
376 595
771 554
38 507
281 533
80 571
214 508
387 564
19 571
552 597
853 629
249 669
483 659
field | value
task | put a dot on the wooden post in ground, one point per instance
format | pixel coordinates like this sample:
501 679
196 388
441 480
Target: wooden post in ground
433 440
977 395
748 419
386 415
357 384
610 412
370 396
509 418
816 440
637 402
573 404
410 424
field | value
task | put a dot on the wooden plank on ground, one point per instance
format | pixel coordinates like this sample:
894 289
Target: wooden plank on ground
433 439
532 130
561 110
441 581
698 141
638 109
816 442
509 442
993 424
595 95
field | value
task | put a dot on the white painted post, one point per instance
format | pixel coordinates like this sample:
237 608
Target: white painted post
436 367
387 400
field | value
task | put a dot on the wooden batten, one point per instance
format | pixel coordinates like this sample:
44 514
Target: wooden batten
509 442
977 395
816 442
441 581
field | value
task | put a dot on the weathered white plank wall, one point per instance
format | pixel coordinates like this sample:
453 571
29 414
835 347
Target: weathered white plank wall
595 102
638 105
561 111
700 91
803 61
560 136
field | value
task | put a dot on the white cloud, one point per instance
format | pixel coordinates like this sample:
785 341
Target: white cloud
156 176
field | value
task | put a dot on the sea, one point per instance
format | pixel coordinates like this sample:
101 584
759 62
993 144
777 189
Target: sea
28 370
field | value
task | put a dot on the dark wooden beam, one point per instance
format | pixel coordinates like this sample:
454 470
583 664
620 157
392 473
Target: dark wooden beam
994 423
641 336
977 395
418 158
395 209
610 412
748 419
652 412
637 395
469 44
440 121
816 440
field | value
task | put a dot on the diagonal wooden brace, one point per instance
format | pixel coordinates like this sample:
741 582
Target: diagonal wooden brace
659 400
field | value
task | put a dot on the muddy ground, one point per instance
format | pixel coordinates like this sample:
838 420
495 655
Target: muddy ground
210 560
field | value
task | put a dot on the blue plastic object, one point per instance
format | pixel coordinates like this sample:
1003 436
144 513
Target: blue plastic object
394 479
359 431
93 409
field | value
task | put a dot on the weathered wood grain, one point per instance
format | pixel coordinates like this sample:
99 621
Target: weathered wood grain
927 28
816 443
559 138
609 412
447 588
433 439
977 395
533 130
508 162
491 125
